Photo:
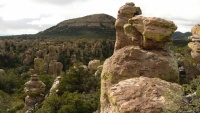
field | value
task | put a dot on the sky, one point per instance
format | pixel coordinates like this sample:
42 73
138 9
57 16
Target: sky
32 16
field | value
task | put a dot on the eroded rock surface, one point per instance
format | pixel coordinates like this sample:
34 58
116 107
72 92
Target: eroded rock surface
196 30
153 32
195 44
139 95
132 61
125 12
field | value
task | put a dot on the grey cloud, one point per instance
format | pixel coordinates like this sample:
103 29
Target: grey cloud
59 2
20 24
186 23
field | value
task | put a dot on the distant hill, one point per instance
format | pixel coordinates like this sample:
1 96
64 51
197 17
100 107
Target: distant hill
91 26
181 36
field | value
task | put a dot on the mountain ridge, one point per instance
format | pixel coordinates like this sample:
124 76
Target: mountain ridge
95 25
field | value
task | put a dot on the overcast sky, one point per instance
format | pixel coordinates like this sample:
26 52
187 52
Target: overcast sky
32 16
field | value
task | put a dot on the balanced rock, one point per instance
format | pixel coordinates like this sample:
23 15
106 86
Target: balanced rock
35 90
125 12
152 32
140 95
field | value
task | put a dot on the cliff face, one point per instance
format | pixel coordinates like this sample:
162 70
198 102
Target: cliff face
96 25
141 69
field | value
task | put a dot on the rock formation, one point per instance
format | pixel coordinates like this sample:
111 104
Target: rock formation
196 30
55 68
149 33
93 64
125 12
35 90
54 88
28 57
38 65
140 95
152 32
139 53
195 44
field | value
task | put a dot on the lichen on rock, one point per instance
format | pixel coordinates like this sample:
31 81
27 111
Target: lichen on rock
135 78
140 95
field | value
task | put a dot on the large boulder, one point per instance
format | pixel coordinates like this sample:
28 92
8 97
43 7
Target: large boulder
140 95
155 32
132 61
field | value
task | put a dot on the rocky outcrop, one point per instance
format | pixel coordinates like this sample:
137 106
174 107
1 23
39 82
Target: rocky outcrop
125 12
139 53
93 64
140 95
54 88
195 44
35 90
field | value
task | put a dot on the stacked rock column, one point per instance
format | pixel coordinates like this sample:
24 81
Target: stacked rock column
35 90
125 12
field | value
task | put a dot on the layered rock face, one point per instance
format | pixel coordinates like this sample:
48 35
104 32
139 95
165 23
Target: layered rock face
35 90
131 79
195 44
